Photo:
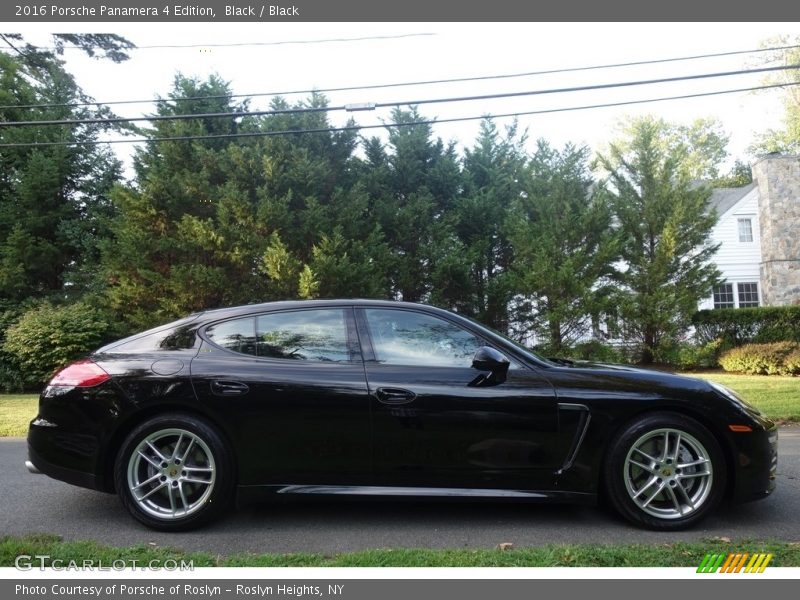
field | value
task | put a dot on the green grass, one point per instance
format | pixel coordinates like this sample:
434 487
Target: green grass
680 554
16 411
776 396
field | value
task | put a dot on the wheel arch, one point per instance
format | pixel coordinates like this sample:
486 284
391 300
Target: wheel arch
112 447
680 410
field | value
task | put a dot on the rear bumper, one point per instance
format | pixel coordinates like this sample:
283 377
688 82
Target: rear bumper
73 476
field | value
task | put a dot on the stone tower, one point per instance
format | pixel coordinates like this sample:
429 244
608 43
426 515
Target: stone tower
778 180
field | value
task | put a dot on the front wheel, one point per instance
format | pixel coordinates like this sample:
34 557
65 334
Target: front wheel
174 472
665 471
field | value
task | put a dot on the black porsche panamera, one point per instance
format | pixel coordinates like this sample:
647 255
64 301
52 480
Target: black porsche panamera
367 397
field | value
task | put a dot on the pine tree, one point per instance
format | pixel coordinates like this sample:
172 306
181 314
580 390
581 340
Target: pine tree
564 247
665 223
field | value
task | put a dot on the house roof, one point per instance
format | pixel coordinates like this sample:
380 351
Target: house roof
723 199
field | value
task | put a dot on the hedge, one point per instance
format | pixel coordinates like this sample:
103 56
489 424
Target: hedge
737 326
782 358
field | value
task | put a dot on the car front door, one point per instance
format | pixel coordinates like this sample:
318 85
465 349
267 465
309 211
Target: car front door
290 384
435 426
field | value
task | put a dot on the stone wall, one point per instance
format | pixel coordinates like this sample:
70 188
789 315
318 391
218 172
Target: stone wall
778 180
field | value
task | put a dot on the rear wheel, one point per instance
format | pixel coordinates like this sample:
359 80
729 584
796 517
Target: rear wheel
174 472
665 471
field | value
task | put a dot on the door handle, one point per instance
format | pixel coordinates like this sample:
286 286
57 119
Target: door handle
229 388
394 395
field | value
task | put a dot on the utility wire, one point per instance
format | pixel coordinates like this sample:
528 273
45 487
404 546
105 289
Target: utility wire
417 102
395 125
242 44
406 83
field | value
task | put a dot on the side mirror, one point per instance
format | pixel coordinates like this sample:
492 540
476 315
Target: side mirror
489 359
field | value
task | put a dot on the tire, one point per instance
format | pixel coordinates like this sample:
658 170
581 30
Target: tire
174 472
661 490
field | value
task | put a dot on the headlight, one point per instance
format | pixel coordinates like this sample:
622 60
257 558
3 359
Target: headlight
731 395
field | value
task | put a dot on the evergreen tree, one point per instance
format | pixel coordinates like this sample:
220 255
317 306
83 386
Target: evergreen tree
564 247
411 189
665 223
479 282
53 198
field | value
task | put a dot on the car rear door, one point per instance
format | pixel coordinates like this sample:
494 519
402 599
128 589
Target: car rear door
290 386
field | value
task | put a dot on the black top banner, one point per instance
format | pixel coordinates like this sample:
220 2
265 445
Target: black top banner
152 11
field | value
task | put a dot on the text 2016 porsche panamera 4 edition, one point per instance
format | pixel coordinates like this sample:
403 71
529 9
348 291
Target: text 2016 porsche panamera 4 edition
367 397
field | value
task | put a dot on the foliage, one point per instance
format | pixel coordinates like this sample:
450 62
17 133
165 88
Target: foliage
47 337
787 139
687 356
740 175
53 199
477 272
564 246
596 351
763 359
665 227
737 326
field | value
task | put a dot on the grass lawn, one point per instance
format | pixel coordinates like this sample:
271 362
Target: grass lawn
680 554
16 411
776 396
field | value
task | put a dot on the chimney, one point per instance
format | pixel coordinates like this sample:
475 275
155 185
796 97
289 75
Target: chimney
778 181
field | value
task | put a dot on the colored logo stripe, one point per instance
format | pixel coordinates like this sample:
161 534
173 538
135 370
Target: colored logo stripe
734 563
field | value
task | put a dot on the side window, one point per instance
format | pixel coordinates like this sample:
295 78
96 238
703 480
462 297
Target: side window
401 337
238 335
303 335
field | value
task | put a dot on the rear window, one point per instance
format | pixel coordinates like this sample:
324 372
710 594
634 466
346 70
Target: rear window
178 335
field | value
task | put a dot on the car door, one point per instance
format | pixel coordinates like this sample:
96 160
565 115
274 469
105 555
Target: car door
291 386
433 426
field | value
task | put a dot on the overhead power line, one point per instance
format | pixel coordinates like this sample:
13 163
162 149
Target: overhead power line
365 38
407 83
356 127
415 102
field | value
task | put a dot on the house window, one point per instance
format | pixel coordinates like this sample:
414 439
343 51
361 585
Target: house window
748 295
723 296
746 230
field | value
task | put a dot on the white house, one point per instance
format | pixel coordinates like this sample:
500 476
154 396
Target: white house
759 235
739 255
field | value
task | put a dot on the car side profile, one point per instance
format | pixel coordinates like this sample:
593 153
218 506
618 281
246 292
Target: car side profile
370 397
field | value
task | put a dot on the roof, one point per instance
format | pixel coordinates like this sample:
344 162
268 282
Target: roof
723 199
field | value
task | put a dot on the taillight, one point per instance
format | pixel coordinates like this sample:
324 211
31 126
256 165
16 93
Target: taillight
82 373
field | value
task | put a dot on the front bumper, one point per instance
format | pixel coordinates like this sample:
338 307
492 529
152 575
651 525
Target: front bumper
756 464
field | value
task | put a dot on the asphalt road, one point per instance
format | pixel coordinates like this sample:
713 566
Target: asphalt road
38 504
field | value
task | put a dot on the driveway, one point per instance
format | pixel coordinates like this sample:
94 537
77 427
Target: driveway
38 504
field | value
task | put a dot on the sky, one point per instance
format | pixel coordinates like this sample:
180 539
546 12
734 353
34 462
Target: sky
304 56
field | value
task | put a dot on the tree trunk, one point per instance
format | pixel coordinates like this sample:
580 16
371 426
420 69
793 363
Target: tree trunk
648 351
555 336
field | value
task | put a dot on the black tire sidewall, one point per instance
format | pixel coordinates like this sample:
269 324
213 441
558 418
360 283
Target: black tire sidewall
222 493
619 447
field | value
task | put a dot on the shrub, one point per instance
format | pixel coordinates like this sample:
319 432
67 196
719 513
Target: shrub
792 362
737 326
597 351
705 356
47 337
762 359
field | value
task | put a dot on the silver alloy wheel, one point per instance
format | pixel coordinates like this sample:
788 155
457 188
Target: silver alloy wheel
668 473
171 473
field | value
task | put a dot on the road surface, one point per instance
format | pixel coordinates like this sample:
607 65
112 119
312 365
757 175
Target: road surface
38 504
